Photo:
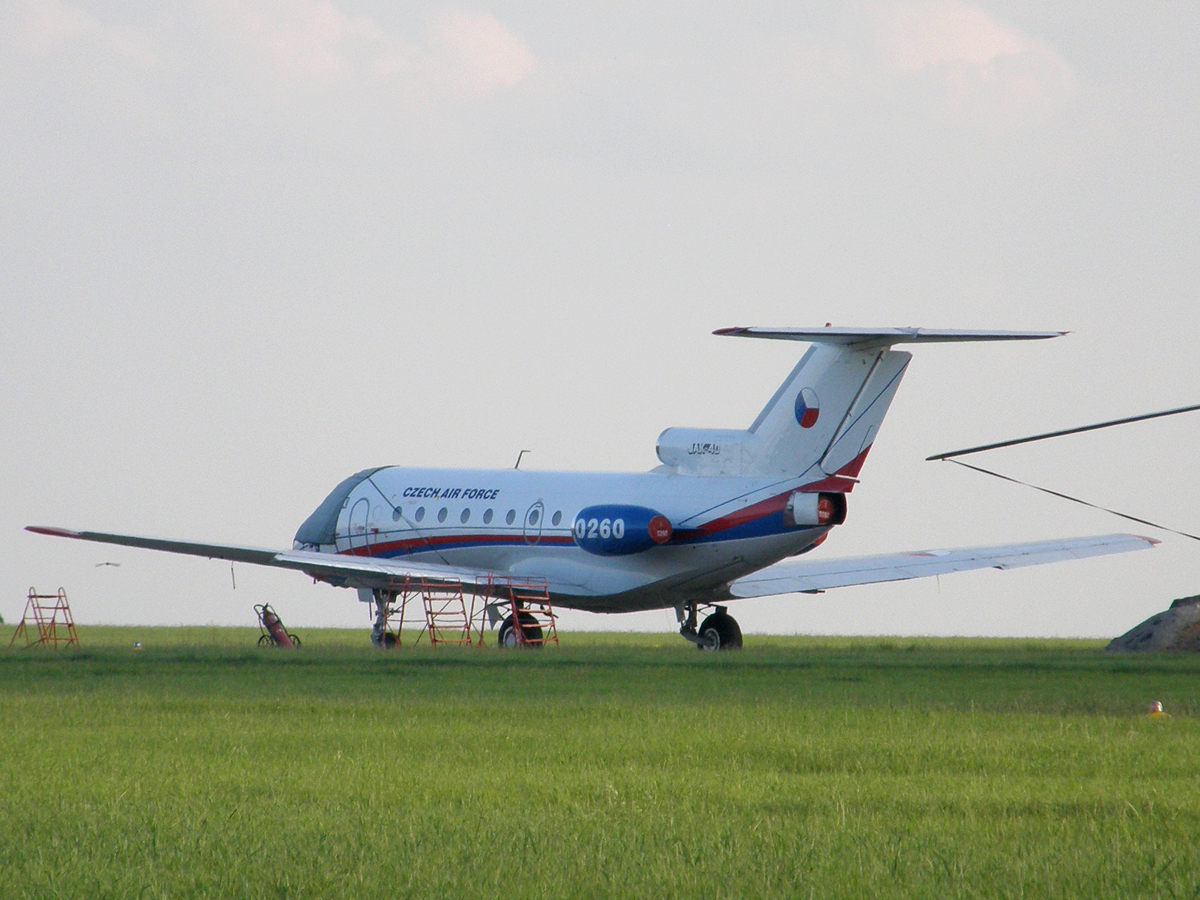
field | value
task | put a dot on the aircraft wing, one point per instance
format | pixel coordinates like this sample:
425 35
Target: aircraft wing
352 571
791 576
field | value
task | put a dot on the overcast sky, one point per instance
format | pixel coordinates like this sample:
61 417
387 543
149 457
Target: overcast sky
250 247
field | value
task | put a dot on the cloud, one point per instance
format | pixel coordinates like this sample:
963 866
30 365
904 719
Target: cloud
986 69
914 36
941 58
313 42
40 28
474 54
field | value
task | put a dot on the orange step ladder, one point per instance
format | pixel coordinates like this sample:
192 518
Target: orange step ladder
528 602
448 620
53 620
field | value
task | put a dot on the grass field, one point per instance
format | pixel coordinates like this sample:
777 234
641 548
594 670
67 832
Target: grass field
616 766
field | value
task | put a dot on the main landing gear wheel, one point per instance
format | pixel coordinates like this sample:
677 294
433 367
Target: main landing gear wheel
720 631
508 636
387 640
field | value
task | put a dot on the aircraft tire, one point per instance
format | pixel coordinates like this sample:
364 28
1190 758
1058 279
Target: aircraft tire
720 631
507 637
387 640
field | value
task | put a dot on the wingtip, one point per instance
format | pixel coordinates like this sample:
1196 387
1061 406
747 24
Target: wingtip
737 329
1153 542
54 532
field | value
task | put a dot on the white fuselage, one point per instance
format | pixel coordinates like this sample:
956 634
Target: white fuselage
520 523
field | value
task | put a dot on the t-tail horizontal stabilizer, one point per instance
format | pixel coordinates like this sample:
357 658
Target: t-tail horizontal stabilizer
883 337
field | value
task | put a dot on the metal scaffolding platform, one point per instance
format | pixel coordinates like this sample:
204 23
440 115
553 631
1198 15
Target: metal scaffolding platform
527 601
51 614
458 614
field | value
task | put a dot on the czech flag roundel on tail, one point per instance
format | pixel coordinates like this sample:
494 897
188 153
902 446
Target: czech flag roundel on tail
808 408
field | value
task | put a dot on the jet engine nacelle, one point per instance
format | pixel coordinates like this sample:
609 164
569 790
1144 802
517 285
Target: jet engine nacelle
619 530
806 509
706 451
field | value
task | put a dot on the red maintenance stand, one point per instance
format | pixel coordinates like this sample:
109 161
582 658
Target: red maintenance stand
460 617
52 616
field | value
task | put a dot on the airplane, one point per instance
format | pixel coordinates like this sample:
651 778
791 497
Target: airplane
724 517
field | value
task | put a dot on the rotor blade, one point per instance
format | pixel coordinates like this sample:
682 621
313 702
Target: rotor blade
1075 500
1065 431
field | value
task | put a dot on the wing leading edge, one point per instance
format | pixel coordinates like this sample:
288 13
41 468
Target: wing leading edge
352 571
793 576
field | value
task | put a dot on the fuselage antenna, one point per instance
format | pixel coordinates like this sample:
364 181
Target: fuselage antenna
519 455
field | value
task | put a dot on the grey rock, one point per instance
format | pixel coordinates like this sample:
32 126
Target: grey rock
1176 629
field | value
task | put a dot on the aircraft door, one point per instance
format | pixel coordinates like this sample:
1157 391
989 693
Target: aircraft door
358 523
533 522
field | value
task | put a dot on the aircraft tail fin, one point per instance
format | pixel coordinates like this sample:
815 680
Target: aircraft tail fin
825 416
823 419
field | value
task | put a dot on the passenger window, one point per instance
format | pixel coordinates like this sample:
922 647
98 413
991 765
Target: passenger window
511 517
487 517
557 517
420 513
396 514
466 514
534 516
442 514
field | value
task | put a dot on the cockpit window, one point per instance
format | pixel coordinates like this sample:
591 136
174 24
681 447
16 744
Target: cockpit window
321 526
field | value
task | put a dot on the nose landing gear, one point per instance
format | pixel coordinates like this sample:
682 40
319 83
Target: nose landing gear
718 631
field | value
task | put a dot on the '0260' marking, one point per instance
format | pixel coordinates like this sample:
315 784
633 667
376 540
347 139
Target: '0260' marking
601 528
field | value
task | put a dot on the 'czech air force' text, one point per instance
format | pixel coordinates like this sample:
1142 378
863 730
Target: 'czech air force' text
447 493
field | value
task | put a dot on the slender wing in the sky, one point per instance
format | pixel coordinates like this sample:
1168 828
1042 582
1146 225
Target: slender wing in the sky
791 576
353 571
